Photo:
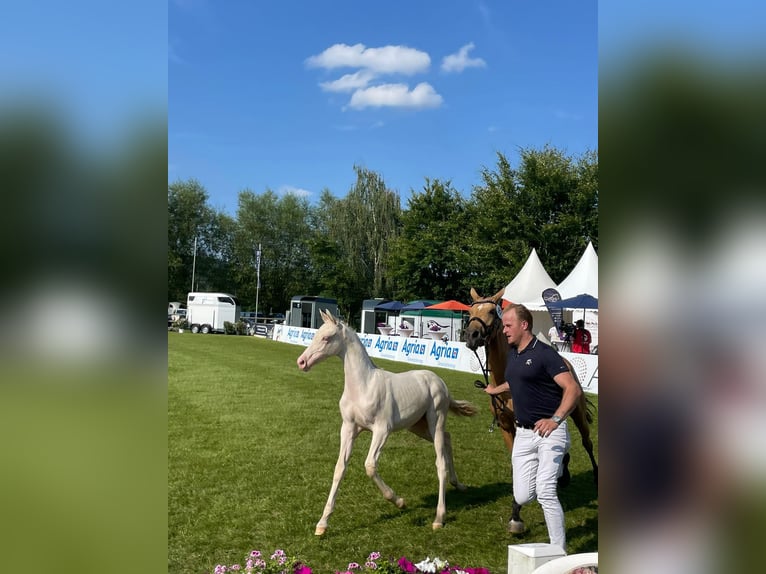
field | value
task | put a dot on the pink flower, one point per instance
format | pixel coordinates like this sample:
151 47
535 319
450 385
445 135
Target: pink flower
373 556
406 565
255 554
302 569
353 566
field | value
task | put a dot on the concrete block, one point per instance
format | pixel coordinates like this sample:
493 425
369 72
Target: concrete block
525 558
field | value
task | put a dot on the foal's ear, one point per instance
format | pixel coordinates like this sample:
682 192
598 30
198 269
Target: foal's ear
327 317
474 294
499 295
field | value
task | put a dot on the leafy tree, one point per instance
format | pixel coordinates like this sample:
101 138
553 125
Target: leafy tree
360 227
282 227
549 203
429 260
189 217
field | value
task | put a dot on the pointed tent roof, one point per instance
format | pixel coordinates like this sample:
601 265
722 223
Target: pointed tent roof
529 282
583 278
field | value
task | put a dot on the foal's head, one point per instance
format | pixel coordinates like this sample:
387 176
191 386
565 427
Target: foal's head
484 319
328 340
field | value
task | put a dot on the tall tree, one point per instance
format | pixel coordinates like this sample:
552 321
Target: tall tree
429 258
549 203
360 227
281 227
189 217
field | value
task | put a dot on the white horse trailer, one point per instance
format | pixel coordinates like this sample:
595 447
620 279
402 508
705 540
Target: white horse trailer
207 312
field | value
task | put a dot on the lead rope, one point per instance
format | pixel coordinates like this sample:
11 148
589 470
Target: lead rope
497 404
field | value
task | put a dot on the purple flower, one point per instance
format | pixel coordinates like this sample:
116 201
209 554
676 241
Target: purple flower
406 565
302 569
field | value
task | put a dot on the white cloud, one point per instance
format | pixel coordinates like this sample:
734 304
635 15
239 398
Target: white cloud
385 60
460 61
296 191
349 82
396 95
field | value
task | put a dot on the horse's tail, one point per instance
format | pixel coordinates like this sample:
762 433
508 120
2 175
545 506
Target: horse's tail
462 408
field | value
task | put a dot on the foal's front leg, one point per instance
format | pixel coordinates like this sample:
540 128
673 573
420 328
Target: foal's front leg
379 437
348 433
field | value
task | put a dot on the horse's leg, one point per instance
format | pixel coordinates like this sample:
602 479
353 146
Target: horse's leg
348 433
436 423
515 523
379 437
420 429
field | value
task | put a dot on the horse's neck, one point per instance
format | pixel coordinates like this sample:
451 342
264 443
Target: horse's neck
357 365
497 352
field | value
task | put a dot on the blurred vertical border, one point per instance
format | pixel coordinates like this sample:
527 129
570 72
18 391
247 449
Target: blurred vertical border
83 229
682 137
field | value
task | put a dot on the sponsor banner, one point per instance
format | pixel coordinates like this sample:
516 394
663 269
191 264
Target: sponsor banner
550 295
429 353
586 367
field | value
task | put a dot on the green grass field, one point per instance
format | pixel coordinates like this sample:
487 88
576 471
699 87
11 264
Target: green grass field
252 446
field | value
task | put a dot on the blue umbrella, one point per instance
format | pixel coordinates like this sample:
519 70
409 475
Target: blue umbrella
418 305
395 306
581 301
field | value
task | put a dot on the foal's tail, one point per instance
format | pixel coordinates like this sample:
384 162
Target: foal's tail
462 408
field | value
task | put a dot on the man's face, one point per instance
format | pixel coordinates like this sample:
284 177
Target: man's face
513 328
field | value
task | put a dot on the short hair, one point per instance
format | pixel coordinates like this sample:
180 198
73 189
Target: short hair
522 313
580 323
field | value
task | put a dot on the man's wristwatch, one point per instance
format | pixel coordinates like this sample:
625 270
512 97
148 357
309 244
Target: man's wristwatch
557 419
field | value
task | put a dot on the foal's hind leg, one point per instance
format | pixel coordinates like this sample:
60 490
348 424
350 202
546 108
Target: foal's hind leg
420 429
379 437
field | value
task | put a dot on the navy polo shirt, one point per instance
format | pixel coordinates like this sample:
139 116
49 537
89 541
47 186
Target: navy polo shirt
530 375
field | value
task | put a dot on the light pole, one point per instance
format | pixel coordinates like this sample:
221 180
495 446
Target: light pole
194 262
258 279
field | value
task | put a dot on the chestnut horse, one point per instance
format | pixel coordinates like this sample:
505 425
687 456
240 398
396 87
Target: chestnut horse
383 402
485 328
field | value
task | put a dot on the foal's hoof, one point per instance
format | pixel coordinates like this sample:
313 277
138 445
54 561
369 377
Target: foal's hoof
399 502
516 526
320 531
437 525
460 486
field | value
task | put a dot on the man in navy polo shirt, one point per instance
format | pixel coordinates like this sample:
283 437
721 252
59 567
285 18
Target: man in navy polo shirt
544 393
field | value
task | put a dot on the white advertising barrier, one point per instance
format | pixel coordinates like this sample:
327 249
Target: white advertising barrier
430 353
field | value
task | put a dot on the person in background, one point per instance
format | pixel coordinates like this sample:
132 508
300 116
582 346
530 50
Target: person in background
544 394
581 338
553 334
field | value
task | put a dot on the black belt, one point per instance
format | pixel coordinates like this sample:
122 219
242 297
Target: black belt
528 427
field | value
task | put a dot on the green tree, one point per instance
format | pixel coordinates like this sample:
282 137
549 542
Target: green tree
282 227
429 259
359 229
189 217
549 203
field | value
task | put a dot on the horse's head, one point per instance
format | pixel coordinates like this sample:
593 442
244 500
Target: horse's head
327 341
484 319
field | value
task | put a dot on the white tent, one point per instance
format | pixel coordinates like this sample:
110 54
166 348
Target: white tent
583 278
529 282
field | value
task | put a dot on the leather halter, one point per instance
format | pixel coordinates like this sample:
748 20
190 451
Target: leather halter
488 330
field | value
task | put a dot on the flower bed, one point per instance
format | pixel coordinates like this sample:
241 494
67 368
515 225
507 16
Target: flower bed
280 563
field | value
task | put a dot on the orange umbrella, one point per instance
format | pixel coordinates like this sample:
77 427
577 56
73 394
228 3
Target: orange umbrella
450 305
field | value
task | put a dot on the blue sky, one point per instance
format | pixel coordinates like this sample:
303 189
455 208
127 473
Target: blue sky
289 96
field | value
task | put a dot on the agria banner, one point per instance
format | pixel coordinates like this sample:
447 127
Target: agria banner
430 353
